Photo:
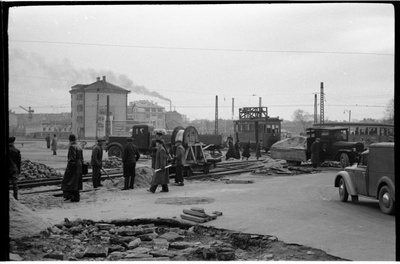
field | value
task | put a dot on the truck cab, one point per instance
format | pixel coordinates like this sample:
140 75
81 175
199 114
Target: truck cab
373 176
141 134
334 145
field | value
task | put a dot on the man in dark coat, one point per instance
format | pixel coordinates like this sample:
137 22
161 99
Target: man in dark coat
231 149
315 153
179 160
237 150
96 162
161 175
153 148
48 141
129 158
246 151
54 145
72 181
14 163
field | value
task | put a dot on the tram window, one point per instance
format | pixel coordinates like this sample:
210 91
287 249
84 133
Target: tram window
373 131
273 129
325 135
251 127
357 132
383 132
260 128
366 131
390 132
268 129
361 131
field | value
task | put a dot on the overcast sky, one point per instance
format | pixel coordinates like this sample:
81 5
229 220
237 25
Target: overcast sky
189 54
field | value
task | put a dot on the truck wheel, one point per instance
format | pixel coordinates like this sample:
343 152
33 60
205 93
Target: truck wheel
115 151
386 202
343 194
344 160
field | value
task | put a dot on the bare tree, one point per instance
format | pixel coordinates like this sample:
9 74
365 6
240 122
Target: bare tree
389 112
302 117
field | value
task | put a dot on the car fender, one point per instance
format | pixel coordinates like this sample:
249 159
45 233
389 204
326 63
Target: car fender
347 179
385 180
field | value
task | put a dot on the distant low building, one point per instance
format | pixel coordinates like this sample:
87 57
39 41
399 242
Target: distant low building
173 119
89 105
144 111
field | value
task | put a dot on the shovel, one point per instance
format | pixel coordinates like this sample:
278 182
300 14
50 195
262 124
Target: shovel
107 175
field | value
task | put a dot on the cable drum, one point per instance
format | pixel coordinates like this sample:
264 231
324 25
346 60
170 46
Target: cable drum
188 136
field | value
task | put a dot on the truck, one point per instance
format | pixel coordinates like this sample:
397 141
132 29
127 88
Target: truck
372 177
334 146
142 135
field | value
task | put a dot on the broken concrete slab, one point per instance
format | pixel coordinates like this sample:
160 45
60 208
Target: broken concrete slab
96 251
134 243
194 218
171 237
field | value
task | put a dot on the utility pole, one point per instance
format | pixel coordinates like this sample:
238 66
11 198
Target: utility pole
108 117
216 116
322 104
315 109
233 108
344 112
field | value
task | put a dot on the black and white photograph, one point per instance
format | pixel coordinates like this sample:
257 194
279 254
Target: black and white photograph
228 131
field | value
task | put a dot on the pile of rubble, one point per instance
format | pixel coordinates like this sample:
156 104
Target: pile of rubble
162 240
280 167
34 170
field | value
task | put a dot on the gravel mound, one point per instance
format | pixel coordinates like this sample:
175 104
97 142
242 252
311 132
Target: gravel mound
24 222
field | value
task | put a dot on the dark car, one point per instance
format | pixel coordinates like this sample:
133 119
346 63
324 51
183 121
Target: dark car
373 177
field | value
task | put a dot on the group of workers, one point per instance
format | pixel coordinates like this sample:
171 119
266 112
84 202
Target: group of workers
53 144
234 149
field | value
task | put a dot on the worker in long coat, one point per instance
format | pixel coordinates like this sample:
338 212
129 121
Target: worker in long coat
161 176
14 165
231 149
237 150
129 158
96 162
153 148
54 144
315 153
48 141
246 151
72 181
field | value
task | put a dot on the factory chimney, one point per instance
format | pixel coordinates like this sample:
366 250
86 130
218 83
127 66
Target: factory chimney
104 78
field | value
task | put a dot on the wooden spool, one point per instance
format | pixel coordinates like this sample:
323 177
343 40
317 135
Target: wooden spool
188 136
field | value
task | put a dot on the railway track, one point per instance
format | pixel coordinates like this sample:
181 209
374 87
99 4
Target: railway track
222 169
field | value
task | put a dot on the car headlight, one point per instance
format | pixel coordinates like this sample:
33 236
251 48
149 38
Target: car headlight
354 149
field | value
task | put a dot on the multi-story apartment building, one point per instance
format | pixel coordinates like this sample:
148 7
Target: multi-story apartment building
145 111
89 105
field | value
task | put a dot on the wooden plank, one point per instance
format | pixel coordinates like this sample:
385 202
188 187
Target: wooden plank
195 213
194 218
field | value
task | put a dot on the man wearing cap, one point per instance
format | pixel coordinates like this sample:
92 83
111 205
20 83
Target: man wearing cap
179 160
14 162
129 158
153 148
161 176
72 181
96 162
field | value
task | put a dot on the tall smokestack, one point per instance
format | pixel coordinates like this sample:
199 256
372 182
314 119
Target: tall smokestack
98 79
216 116
259 102
170 105
315 109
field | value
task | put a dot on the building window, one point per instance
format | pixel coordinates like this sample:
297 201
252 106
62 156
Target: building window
79 119
160 116
79 108
147 115
79 96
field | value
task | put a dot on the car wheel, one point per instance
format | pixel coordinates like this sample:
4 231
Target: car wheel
343 194
386 202
344 160
115 151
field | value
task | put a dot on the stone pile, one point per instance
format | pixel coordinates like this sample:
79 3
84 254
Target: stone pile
153 240
35 170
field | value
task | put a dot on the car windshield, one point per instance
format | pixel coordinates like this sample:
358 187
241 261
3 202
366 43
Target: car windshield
340 135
